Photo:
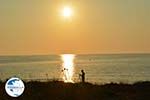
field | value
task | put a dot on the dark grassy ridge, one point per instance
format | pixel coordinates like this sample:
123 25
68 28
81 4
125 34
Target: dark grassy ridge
78 91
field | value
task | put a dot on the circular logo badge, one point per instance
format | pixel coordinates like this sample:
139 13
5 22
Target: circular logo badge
14 87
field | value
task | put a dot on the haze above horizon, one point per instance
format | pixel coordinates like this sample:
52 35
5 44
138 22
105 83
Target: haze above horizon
91 26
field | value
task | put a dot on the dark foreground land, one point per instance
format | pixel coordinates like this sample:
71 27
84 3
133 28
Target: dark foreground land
80 91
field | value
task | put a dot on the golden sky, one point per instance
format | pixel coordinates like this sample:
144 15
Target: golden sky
96 26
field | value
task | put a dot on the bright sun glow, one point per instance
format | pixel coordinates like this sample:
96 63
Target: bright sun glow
67 12
68 67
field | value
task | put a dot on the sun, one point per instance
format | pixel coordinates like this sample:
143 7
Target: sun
67 12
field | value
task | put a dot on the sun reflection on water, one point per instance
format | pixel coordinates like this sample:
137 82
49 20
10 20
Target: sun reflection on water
68 67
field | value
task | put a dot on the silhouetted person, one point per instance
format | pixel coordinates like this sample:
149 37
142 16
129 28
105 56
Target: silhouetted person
82 75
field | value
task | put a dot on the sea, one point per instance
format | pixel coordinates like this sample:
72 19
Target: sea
98 68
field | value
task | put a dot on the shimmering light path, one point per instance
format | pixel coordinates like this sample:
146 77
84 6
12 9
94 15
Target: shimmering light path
68 67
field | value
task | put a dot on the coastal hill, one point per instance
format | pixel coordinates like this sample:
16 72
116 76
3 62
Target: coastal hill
57 90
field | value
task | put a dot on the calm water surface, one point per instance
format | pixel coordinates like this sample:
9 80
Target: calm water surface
104 68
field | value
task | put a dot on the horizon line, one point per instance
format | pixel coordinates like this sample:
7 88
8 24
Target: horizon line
120 53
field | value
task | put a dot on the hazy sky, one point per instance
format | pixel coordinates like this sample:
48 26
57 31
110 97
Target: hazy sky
97 26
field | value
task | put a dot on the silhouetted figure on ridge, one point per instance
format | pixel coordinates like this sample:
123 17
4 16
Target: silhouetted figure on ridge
82 75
